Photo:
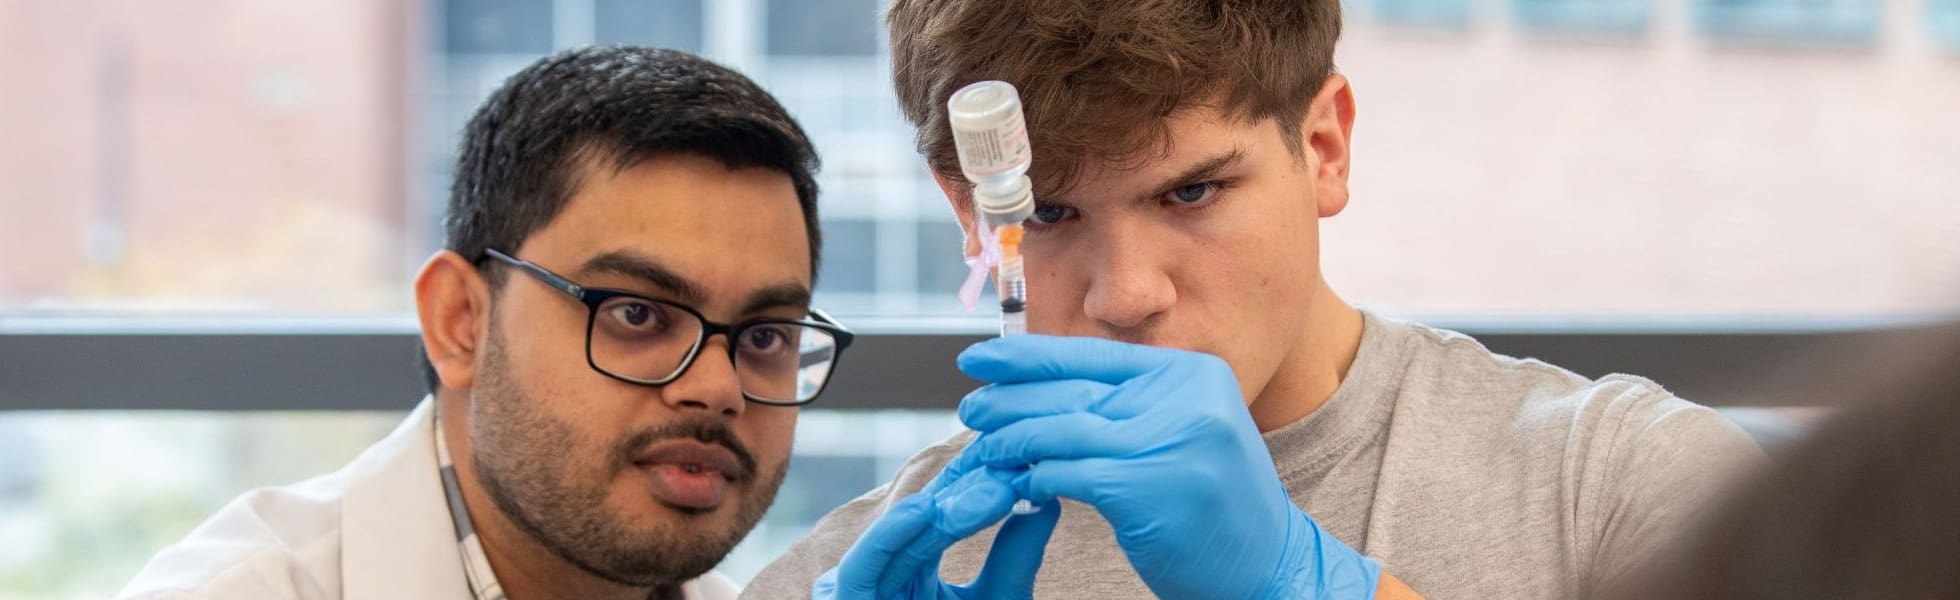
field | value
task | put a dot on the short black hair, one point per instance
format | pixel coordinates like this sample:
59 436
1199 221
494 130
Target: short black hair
523 152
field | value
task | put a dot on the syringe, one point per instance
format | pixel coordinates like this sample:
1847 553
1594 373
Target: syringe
991 137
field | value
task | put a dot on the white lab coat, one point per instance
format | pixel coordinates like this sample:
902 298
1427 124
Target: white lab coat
377 528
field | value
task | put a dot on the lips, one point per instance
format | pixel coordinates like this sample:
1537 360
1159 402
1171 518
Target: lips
689 474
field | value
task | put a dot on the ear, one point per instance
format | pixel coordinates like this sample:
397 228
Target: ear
1328 131
452 302
961 197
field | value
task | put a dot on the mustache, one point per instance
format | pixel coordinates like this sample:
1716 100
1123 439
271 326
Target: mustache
704 430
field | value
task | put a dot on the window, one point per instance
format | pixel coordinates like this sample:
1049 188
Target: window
1615 18
941 265
829 28
1442 14
666 23
1943 21
497 26
1800 22
850 261
86 498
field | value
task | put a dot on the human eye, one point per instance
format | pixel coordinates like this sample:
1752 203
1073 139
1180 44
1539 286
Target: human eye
1196 194
636 316
767 339
1048 215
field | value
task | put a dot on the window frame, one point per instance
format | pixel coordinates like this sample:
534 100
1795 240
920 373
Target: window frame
252 363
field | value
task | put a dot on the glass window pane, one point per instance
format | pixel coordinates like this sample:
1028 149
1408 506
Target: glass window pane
1806 22
666 23
87 498
497 26
1618 18
850 257
1442 14
823 27
1943 21
942 267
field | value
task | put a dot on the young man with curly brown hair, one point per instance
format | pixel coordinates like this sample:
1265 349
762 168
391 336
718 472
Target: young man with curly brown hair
1204 417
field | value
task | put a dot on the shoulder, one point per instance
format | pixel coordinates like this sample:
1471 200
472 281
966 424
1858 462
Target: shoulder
1443 364
1451 378
1619 430
791 574
268 543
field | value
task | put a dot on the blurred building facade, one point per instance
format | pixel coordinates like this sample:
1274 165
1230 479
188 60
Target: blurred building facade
208 155
1609 156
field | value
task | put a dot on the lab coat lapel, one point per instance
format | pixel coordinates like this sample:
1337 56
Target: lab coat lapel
397 538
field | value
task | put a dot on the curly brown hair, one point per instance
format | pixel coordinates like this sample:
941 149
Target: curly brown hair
1098 77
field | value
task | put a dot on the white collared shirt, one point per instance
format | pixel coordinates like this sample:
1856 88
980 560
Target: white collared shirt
378 528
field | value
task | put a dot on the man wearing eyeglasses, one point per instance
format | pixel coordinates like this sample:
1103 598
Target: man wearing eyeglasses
618 335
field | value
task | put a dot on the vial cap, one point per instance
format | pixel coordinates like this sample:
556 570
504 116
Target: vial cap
1006 207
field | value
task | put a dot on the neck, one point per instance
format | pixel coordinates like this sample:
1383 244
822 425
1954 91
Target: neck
1310 374
524 567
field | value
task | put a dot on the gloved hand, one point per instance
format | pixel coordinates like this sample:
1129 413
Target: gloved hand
1161 443
898 556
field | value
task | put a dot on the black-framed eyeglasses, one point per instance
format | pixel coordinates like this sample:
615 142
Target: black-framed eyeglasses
652 342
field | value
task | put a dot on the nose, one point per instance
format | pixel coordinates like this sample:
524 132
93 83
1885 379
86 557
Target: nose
709 385
1128 285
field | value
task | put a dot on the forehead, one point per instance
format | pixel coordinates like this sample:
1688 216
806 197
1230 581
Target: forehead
730 230
1190 135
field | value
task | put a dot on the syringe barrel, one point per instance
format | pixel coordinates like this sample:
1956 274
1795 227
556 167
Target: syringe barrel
1013 282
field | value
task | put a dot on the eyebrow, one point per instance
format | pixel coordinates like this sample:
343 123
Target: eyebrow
1204 170
641 267
644 268
781 295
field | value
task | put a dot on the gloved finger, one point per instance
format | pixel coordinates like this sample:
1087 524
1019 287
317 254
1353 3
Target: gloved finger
825 587
994 406
1060 437
979 499
1024 358
865 563
916 567
1016 555
947 476
1085 480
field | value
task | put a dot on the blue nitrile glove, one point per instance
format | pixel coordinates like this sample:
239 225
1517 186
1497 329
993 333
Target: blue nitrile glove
898 556
1161 443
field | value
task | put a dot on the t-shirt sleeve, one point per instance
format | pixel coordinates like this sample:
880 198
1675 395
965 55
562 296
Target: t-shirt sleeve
1666 462
791 575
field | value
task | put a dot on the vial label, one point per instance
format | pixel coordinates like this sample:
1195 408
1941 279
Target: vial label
994 149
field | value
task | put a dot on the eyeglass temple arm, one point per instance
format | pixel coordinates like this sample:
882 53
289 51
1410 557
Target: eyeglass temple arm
845 334
548 277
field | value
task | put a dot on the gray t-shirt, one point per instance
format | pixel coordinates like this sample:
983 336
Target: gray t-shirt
1468 474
